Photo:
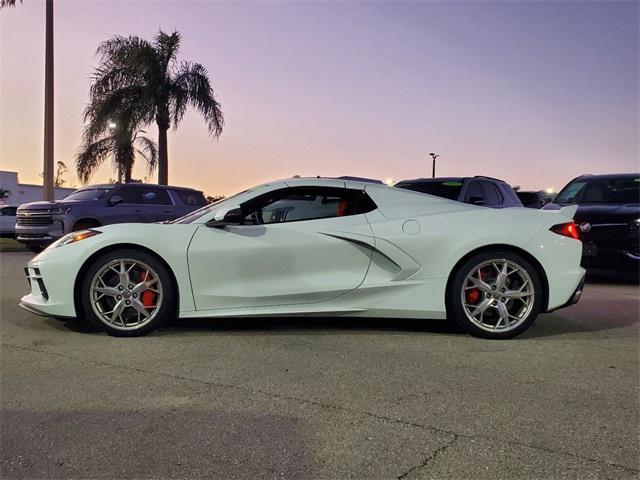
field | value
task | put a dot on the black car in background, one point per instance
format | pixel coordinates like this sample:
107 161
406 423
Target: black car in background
478 190
608 219
534 199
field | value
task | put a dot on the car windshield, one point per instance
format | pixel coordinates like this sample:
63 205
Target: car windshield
207 209
87 194
601 190
446 189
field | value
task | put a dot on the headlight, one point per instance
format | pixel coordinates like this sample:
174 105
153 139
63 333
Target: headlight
74 237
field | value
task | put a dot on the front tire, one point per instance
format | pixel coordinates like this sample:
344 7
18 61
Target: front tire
495 294
128 293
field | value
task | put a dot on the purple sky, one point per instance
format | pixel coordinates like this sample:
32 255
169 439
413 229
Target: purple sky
535 93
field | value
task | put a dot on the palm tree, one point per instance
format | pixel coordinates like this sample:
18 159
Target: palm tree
4 193
120 142
145 81
48 97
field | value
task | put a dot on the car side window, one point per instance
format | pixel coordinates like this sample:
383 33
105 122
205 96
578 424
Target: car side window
491 194
474 193
144 196
305 203
8 211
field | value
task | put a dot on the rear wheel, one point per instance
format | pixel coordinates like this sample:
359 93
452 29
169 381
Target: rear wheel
128 293
495 295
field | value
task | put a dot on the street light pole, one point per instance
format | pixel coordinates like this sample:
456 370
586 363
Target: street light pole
433 169
48 105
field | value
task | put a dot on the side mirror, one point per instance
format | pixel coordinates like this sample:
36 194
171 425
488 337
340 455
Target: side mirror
232 217
115 199
476 200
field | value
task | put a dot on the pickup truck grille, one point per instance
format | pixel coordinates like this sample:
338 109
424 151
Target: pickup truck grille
34 218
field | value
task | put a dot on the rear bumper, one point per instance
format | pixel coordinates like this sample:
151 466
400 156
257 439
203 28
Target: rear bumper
575 296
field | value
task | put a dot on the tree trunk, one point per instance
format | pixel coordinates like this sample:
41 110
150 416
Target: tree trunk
127 172
163 156
48 105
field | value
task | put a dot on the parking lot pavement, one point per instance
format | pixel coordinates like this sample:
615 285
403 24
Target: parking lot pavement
321 398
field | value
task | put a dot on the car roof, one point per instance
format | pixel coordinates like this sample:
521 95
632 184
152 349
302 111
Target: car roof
139 185
434 180
605 176
451 179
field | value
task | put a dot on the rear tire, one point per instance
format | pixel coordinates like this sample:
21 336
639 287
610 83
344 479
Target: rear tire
128 293
495 294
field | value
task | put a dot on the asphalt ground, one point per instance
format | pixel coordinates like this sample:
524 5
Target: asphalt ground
321 398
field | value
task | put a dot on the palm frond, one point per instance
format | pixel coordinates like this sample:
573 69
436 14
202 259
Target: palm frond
167 46
8 3
191 86
148 150
90 156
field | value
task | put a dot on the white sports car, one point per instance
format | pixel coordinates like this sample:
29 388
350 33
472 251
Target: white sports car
317 247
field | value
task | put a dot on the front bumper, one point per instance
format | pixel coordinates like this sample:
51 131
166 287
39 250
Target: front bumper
39 235
50 288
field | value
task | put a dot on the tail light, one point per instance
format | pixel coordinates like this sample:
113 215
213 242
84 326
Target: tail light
566 230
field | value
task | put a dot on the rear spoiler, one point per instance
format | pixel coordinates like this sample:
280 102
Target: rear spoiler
569 211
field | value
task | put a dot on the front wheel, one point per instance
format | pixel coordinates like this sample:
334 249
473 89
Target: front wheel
495 295
128 293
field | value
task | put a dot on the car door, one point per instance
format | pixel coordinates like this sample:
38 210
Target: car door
298 245
141 204
8 220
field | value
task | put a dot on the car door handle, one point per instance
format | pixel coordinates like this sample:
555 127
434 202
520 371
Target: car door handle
137 211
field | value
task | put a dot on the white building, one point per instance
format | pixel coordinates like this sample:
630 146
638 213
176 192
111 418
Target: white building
25 192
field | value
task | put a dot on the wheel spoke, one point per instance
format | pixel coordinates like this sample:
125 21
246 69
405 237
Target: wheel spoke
516 294
124 274
504 315
140 308
480 284
503 273
142 286
117 310
109 291
481 307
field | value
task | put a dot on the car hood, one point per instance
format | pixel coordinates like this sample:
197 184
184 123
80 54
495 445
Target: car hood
54 205
603 213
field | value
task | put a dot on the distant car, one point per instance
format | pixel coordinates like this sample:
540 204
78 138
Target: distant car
41 223
534 199
317 247
608 218
478 190
8 221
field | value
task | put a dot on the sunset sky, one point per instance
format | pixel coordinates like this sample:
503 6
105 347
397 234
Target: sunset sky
535 93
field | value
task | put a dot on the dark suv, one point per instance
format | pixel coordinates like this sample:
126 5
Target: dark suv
40 223
608 219
478 190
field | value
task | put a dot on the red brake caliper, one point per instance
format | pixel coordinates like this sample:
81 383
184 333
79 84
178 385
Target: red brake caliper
473 294
148 297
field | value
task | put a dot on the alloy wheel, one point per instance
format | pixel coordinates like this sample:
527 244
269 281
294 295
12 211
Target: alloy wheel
497 295
126 294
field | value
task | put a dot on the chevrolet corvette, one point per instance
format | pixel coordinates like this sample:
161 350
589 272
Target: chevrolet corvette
317 246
